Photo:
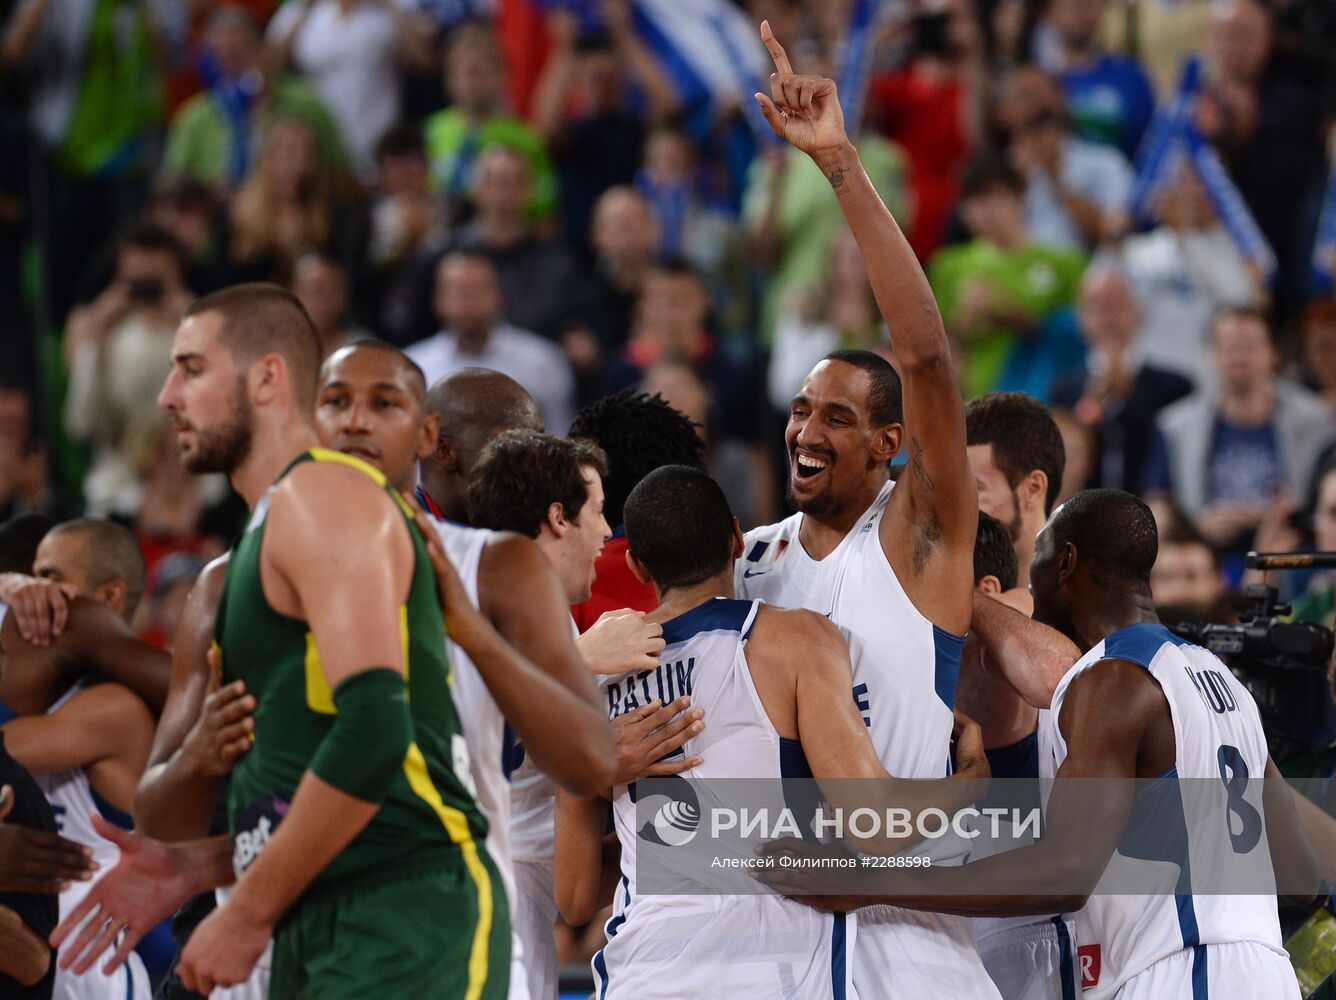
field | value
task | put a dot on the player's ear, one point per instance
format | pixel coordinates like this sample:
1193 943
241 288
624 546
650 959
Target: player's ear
428 437
989 585
555 519
444 453
736 542
887 443
637 568
1067 560
265 376
113 594
1035 487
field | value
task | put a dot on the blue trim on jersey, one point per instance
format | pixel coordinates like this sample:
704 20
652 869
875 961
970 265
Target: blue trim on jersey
610 930
1066 968
1187 920
7 714
1140 642
720 614
946 664
512 751
1200 985
801 795
757 550
792 760
1020 760
110 813
838 944
129 982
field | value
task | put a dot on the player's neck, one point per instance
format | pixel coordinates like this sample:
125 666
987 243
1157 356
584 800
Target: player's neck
680 600
272 450
1109 616
820 536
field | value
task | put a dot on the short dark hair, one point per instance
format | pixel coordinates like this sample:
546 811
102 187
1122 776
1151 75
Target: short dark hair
416 377
259 318
1247 313
1114 534
886 403
521 473
639 434
19 538
110 552
994 555
152 238
400 139
680 527
1024 437
989 172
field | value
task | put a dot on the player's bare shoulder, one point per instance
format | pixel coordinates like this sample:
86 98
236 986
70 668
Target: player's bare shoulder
780 631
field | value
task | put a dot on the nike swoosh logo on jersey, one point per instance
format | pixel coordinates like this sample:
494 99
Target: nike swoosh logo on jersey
747 574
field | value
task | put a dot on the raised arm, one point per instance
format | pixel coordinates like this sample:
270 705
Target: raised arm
941 496
97 639
1031 657
516 582
178 792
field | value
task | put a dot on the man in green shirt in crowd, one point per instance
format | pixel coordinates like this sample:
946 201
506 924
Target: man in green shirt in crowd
996 291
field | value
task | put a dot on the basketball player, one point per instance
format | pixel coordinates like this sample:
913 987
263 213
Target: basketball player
351 808
88 750
787 716
1142 703
888 563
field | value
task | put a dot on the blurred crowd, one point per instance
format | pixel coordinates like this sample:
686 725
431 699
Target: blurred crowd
567 192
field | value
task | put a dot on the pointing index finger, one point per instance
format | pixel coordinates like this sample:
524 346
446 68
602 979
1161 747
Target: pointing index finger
776 50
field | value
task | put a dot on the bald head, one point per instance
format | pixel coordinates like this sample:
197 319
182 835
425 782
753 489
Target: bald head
100 559
474 405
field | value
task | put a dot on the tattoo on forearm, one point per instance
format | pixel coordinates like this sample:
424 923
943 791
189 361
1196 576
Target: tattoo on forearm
920 469
836 178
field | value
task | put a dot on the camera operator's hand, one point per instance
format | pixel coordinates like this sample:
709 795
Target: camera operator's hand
1276 532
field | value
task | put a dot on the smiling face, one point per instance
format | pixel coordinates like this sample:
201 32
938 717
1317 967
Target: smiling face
368 407
206 398
834 446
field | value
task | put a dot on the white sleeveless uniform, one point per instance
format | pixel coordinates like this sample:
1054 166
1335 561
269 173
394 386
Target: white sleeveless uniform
1030 957
72 800
1185 945
485 735
905 671
691 946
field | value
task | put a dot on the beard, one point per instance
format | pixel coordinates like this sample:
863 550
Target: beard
823 506
1014 526
223 448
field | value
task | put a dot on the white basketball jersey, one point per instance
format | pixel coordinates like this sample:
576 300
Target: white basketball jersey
1219 741
74 803
484 730
904 672
736 946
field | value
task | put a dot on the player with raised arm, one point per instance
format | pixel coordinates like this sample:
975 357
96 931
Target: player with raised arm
787 717
889 563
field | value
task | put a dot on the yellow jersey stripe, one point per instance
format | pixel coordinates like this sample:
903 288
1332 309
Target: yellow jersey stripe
456 825
329 455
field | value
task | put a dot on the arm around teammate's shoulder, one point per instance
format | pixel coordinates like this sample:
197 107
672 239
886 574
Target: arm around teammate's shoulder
96 638
103 721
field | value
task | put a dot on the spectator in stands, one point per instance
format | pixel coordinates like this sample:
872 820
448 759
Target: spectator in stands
933 109
168 588
469 306
1182 271
1076 191
1078 443
999 292
178 512
1225 455
839 313
216 135
320 281
191 212
1186 575
1109 95
1266 126
476 119
1119 394
95 108
584 107
115 348
1319 604
286 205
351 50
23 455
536 272
1319 350
407 215
623 238
98 559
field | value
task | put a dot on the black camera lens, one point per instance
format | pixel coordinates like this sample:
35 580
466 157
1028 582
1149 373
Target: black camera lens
146 291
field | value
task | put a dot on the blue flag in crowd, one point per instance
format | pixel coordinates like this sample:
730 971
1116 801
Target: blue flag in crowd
855 63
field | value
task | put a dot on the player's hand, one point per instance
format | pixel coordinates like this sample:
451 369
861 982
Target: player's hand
464 622
647 735
967 741
149 883
829 889
37 861
803 110
223 950
620 642
40 607
223 731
